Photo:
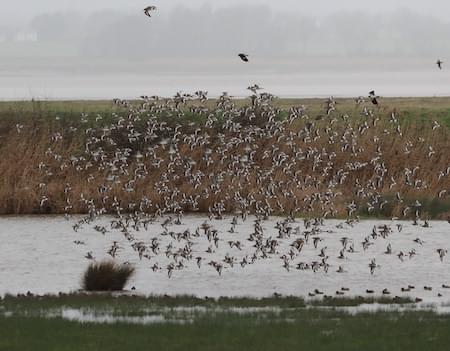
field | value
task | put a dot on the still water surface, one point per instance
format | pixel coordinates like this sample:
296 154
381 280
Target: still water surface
38 254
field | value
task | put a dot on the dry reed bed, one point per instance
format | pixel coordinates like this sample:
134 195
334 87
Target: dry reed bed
24 148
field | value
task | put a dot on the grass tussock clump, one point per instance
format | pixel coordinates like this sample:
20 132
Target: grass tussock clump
107 276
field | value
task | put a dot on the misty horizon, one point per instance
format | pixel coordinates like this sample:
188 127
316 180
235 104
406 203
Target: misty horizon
64 50
211 33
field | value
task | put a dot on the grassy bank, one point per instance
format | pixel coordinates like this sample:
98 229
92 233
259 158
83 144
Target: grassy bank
325 331
28 129
412 109
135 304
32 324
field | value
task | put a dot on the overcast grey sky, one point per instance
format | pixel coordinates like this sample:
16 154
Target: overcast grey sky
53 44
118 29
19 10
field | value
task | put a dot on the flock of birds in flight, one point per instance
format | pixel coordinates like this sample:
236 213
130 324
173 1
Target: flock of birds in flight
153 164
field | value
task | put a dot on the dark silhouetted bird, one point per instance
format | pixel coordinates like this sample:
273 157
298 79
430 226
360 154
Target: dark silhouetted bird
373 97
244 57
439 63
149 9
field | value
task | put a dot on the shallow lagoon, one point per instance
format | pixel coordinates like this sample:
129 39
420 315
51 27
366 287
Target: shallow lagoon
38 254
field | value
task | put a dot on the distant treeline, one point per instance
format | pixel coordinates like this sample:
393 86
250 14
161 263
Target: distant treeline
258 30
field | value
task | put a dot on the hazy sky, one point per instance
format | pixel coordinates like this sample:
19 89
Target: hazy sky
216 28
21 10
71 48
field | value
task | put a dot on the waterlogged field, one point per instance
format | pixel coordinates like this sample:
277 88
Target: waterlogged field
185 323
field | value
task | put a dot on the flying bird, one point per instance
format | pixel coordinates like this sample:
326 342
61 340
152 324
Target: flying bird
244 57
439 63
149 9
373 97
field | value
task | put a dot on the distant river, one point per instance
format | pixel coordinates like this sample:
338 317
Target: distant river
70 79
